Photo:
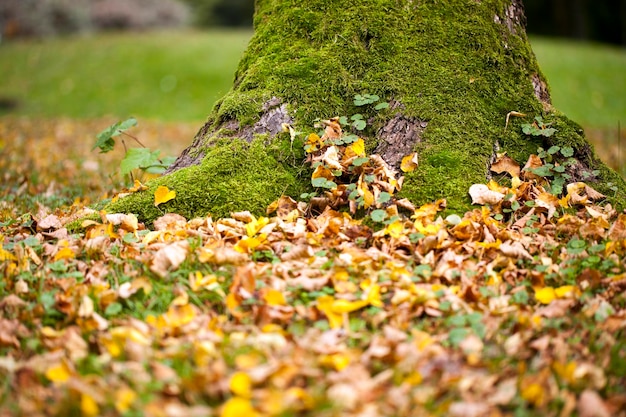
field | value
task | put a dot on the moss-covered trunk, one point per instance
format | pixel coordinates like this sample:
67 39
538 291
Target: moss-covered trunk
451 70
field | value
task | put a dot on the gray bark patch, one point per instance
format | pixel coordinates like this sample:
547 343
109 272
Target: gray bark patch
541 89
270 122
398 138
514 17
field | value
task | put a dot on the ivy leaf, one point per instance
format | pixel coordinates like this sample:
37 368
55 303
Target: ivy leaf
384 197
359 124
457 335
322 182
105 138
357 162
567 151
378 215
139 158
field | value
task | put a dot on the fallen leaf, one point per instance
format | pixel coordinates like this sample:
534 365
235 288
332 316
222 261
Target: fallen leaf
163 195
481 194
409 162
504 163
169 258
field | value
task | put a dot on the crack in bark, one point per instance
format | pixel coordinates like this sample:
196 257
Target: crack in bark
270 122
541 90
398 138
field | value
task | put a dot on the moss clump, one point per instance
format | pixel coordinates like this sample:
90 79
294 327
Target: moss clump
233 176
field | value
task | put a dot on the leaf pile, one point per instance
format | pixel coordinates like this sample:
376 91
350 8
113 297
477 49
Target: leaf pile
353 303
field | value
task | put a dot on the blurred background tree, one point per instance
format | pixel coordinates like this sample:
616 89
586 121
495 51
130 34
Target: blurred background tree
603 21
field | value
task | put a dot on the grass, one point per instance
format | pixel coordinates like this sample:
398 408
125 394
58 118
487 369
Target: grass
169 76
587 80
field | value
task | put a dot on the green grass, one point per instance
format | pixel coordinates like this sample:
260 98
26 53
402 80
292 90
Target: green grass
164 75
588 81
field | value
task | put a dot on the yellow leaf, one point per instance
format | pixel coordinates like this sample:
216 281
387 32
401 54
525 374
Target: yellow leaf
64 253
59 373
256 225
340 361
368 197
373 295
414 378
545 295
88 406
137 186
179 315
231 301
409 162
395 229
325 305
533 393
124 398
274 297
163 195
358 147
345 306
241 384
237 407
566 291
314 142
6 256
565 371
322 172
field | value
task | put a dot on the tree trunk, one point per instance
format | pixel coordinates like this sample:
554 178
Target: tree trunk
451 71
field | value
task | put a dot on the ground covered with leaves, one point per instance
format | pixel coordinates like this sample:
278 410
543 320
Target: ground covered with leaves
350 302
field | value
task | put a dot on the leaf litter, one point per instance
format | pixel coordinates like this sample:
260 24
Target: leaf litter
354 303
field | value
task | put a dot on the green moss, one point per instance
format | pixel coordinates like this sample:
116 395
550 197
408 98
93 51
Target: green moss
233 176
449 63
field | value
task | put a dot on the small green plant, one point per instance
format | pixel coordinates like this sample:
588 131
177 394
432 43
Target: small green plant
538 128
141 158
556 160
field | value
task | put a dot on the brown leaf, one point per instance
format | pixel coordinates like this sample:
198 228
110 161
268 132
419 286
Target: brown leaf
170 221
506 164
590 404
533 162
332 128
50 222
169 258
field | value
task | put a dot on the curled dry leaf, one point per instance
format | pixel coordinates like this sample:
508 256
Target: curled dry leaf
169 258
515 250
506 164
171 221
481 195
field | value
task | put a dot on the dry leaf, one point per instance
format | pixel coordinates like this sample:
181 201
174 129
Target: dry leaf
163 195
169 258
506 164
481 195
409 162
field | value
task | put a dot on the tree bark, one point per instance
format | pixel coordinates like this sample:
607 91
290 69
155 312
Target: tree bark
451 70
